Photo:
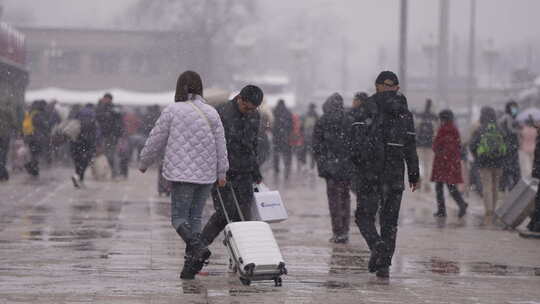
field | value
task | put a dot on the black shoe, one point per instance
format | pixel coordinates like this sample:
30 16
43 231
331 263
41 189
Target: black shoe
440 213
188 273
383 272
463 210
341 239
199 251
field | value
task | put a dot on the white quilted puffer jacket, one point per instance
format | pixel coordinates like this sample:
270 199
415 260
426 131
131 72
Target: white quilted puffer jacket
193 143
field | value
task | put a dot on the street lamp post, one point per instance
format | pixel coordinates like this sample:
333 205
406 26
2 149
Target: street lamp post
403 45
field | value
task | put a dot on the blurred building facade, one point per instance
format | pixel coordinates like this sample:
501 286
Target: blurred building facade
89 59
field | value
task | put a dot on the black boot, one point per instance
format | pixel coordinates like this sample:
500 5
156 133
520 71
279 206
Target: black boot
188 271
462 209
199 252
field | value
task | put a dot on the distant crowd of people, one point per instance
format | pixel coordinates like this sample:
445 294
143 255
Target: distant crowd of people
86 133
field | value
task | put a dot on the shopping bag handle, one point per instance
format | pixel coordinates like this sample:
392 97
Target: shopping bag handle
235 203
260 188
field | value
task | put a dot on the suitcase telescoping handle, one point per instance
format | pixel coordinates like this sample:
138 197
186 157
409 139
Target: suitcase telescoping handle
235 203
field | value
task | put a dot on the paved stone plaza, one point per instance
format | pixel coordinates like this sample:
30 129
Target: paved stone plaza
112 243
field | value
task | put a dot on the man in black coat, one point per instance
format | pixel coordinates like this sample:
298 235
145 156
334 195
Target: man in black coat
241 122
383 141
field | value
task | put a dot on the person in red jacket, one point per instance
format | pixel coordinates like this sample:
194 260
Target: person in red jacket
447 164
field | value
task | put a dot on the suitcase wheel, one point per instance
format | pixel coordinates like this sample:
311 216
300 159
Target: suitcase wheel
278 282
246 282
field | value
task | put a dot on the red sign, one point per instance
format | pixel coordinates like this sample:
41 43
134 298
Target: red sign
12 45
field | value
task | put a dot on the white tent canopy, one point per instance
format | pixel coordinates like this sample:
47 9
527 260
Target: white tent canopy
121 96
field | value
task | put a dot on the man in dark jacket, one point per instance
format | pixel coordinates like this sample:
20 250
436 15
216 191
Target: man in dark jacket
331 149
111 128
241 122
281 131
383 141
84 147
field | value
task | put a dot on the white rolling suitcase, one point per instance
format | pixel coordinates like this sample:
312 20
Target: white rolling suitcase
253 250
519 203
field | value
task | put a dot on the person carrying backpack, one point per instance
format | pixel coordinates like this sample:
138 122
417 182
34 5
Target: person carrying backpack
383 143
424 141
489 149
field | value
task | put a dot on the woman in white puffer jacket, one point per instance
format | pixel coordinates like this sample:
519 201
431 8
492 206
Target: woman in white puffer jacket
190 135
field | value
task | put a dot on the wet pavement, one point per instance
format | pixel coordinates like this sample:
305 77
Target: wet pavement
112 243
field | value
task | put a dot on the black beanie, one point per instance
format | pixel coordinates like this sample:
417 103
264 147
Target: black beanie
387 75
253 94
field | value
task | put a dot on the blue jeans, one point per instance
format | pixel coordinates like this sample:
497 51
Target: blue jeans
187 204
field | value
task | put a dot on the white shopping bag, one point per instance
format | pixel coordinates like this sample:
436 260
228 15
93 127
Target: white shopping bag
100 168
268 205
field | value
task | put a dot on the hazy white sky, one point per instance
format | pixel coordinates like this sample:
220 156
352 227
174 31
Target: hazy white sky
507 21
368 25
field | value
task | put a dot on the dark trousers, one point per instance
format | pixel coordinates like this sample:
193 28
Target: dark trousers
35 147
511 173
284 152
109 146
243 189
4 148
379 197
81 153
534 224
454 192
339 203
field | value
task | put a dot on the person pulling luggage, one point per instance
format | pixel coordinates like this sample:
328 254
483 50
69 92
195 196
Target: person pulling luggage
241 121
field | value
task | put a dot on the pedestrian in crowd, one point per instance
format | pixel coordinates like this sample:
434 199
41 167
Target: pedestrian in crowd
331 149
424 142
264 145
534 224
511 167
191 136
241 121
308 126
37 134
281 132
7 127
296 141
447 164
128 141
489 150
148 121
53 119
382 141
111 127
83 148
358 99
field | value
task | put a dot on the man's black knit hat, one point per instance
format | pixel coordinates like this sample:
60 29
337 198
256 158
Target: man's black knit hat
387 75
253 94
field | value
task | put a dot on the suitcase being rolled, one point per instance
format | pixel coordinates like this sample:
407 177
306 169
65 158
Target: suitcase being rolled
519 203
253 250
